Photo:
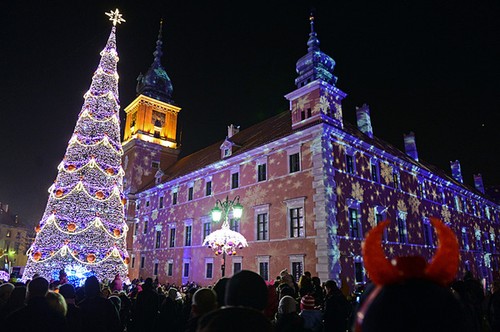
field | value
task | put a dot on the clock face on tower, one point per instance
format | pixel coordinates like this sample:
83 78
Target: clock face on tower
158 119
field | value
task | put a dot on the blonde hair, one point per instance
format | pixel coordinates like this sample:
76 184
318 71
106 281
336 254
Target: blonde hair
57 303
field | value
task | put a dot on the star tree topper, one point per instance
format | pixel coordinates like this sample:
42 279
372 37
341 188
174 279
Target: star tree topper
115 17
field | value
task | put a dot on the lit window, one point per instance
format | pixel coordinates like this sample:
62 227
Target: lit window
374 170
359 270
465 238
208 188
234 224
158 239
262 226
187 241
380 215
235 180
297 266
155 164
261 172
207 229
354 223
296 221
402 231
263 262
349 162
428 238
209 268
294 162
171 242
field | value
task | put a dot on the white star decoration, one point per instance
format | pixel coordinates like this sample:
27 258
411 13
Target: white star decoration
115 17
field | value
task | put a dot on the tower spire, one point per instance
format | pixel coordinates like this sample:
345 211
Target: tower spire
313 42
156 83
158 53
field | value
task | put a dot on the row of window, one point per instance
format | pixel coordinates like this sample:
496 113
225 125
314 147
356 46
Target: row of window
484 241
461 203
295 225
296 263
293 163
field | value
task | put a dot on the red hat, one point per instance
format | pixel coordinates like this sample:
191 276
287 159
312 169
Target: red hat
307 302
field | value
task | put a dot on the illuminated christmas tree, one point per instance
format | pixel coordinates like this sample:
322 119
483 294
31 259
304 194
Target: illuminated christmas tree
83 228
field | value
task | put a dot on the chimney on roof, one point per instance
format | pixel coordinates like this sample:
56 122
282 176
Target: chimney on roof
232 130
478 182
456 171
411 145
363 120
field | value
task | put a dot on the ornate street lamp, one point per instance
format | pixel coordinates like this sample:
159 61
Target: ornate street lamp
225 241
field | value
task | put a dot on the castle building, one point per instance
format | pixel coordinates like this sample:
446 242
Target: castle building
311 185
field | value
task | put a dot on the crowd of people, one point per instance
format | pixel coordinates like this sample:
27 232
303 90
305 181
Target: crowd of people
244 302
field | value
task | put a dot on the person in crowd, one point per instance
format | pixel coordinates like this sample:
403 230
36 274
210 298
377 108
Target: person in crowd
248 289
117 284
37 315
204 300
241 319
171 312
410 294
73 315
15 302
5 290
287 318
98 313
57 303
272 302
145 308
220 289
493 307
317 291
312 316
337 309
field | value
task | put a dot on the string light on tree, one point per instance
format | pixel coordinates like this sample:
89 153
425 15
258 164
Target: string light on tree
83 228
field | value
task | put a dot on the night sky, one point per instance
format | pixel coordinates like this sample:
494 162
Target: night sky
432 67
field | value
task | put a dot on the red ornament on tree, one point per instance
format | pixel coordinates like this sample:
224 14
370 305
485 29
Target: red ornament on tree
37 255
110 171
99 194
71 168
59 193
91 258
116 232
71 227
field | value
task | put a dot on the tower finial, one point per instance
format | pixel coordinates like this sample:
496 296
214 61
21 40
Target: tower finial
158 53
115 17
313 42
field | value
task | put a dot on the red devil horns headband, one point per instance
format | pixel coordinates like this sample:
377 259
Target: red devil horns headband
442 269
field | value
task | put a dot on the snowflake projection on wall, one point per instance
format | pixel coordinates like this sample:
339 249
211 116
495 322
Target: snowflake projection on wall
371 217
414 203
445 214
487 260
357 192
338 111
302 101
324 104
402 206
255 196
386 172
154 214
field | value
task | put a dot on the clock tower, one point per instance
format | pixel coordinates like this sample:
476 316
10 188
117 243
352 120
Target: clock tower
150 136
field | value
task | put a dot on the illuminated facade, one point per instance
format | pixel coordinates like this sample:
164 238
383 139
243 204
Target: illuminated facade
14 242
312 185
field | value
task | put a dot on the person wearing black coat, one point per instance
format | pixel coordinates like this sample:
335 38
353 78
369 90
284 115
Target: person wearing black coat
98 314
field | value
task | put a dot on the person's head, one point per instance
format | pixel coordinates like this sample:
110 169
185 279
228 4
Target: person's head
148 284
5 291
92 287
17 297
172 293
57 303
287 305
331 286
38 287
241 319
411 294
307 302
220 290
67 291
204 300
247 289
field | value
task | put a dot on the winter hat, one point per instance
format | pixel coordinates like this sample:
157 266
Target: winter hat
287 305
307 302
248 289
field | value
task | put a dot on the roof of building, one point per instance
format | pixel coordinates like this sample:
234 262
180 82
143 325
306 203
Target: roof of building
275 128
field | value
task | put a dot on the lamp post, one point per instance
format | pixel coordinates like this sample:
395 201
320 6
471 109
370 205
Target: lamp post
225 241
